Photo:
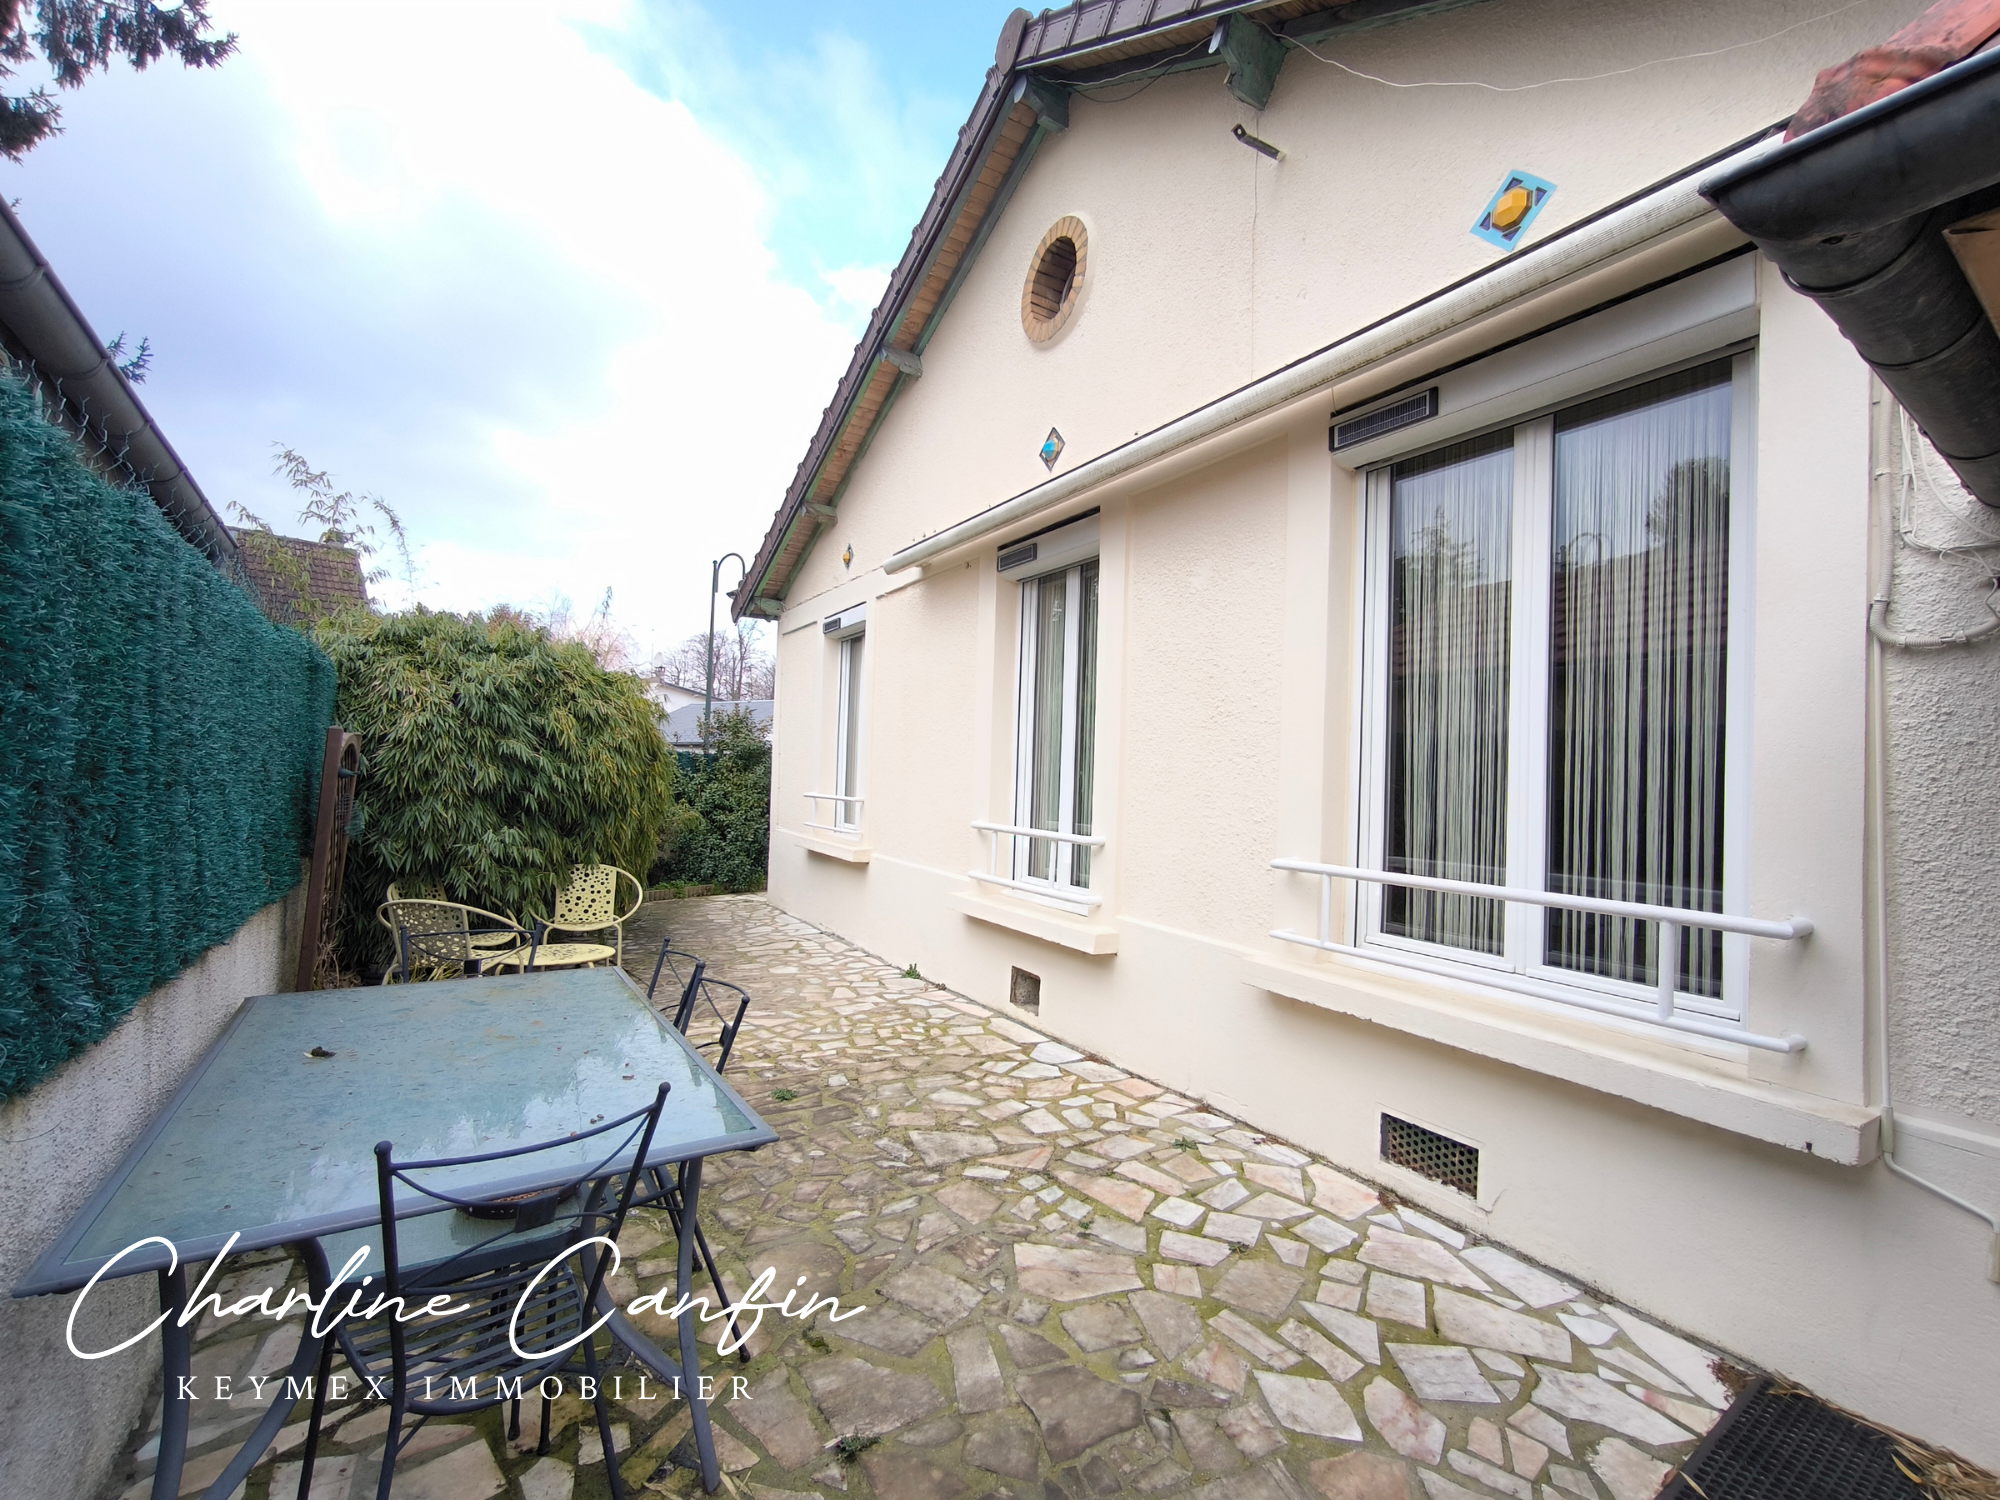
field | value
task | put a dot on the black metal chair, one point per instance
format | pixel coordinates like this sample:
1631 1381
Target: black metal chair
673 958
698 991
703 993
488 1254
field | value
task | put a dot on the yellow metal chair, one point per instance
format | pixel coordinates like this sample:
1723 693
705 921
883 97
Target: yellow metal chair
424 890
448 939
589 904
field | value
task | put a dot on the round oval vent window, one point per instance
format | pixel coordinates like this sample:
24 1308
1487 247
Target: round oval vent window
1055 280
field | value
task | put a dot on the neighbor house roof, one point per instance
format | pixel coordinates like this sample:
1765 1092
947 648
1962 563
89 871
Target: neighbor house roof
283 568
682 727
1039 61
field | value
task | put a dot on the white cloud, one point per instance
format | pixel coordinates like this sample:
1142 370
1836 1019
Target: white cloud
856 289
849 157
459 257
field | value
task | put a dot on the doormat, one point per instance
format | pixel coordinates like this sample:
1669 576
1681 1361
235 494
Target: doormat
1777 1442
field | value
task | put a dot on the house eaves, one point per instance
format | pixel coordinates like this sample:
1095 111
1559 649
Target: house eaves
43 329
1038 62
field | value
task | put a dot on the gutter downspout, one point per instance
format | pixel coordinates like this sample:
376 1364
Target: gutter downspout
1854 212
1887 1125
1657 213
1878 806
49 327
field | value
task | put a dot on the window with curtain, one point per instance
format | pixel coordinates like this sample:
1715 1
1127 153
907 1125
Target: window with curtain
1450 593
1058 720
847 742
1551 649
1638 649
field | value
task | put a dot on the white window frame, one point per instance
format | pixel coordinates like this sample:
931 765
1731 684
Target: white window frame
1528 675
1063 863
849 760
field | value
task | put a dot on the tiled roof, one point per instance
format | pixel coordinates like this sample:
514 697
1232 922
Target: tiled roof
331 575
1099 33
1024 96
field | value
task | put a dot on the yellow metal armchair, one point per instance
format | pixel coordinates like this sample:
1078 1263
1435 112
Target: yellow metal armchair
420 890
589 904
448 939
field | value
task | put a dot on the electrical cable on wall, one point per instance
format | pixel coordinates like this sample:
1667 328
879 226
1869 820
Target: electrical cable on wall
1914 475
1157 66
1519 88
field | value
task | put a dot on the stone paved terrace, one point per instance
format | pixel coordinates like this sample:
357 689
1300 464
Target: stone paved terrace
1077 1284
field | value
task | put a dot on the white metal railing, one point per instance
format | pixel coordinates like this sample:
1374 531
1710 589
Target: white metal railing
1047 889
846 830
1664 1011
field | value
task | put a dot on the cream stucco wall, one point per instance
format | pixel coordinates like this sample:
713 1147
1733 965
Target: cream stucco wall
1688 1178
1201 703
1210 265
1943 804
63 1422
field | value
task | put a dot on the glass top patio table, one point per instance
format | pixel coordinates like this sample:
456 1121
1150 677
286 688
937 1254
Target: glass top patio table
271 1140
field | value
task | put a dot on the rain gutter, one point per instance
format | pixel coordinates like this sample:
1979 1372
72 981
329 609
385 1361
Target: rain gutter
1855 214
43 325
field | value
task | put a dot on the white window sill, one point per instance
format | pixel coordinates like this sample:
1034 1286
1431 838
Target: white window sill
853 851
1084 934
1664 1074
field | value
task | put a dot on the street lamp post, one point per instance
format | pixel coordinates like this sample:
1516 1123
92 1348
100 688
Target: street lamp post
708 688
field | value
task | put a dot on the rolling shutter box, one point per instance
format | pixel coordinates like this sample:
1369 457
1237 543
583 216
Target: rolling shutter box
1050 550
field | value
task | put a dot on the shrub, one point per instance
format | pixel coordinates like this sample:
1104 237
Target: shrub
496 760
720 832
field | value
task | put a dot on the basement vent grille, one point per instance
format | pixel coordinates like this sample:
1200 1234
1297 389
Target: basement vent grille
1024 991
1431 1155
1778 1444
1384 419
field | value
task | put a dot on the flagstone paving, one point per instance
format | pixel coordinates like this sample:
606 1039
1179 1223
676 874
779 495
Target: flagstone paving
1077 1284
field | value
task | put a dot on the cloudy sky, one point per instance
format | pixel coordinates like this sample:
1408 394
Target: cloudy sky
567 281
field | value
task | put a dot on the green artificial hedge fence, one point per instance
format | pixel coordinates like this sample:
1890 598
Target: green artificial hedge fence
162 742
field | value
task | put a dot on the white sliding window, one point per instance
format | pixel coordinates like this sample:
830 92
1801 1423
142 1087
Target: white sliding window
847 743
1058 721
1555 664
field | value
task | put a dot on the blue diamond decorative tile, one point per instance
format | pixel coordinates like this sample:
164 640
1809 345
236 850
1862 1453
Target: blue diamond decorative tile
1052 447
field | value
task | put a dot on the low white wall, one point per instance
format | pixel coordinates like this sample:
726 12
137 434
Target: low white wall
63 1422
